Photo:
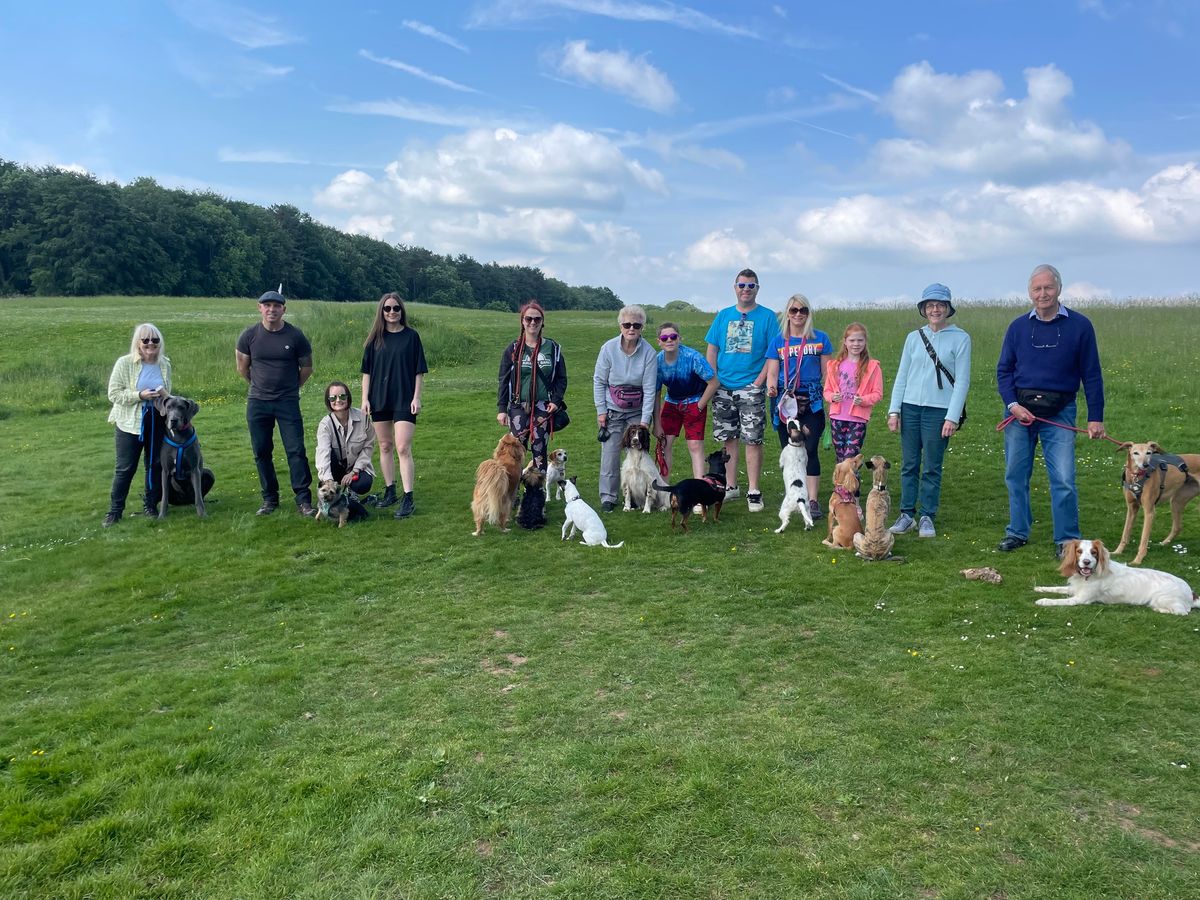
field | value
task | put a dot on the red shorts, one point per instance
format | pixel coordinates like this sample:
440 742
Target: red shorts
688 415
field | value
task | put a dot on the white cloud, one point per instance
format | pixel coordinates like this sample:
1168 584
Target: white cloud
985 222
617 72
962 123
505 12
1085 290
857 91
243 26
490 190
419 73
276 157
419 112
430 32
225 75
99 124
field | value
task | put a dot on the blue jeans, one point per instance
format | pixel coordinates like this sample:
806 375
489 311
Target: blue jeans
922 447
1058 450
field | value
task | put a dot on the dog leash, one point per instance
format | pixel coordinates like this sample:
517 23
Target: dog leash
1004 424
660 456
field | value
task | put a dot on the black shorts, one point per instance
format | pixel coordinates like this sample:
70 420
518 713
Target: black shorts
387 415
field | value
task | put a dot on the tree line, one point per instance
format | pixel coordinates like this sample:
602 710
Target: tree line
67 233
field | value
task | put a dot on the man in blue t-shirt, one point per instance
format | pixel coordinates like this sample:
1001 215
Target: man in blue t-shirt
1047 353
737 350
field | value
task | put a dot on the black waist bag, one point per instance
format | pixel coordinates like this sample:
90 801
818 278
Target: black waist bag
1043 404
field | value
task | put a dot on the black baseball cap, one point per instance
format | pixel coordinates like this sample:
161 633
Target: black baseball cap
273 297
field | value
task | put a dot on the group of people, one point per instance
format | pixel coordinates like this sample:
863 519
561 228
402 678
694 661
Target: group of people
757 366
275 358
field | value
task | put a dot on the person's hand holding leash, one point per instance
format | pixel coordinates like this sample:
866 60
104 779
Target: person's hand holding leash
1095 430
1021 414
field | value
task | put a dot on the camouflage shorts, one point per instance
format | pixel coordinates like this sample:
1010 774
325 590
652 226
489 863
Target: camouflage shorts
740 415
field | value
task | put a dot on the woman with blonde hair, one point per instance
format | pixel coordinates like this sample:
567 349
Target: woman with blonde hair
794 385
138 378
393 370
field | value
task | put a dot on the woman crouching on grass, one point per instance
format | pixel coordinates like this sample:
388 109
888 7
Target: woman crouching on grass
345 442
139 377
393 371
526 404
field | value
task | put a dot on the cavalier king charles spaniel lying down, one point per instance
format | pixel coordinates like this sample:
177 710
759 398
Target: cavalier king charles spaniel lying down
1093 577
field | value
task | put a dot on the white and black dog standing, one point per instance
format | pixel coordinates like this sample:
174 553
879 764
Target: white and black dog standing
793 463
583 517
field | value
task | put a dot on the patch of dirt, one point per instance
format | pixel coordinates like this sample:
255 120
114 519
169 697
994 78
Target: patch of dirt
483 848
492 669
1152 672
499 634
516 659
1125 818
508 688
807 633
620 715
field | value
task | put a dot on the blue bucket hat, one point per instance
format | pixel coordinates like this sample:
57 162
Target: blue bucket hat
937 292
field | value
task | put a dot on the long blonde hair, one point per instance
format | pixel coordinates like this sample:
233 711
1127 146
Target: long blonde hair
785 322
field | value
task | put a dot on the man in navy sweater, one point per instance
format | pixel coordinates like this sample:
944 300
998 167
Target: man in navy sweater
1047 353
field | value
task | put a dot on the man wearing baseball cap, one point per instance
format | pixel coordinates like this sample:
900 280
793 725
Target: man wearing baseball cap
275 357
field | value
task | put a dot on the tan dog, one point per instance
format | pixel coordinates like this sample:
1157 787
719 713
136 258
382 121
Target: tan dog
1150 478
844 518
876 543
496 483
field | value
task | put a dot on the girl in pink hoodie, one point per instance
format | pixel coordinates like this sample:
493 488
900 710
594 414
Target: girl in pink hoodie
853 385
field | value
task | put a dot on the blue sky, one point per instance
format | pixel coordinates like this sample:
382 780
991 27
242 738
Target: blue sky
854 152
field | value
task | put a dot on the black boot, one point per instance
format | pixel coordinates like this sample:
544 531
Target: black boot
406 507
388 498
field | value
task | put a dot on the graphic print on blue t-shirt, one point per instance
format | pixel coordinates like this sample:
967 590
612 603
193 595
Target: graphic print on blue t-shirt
739 336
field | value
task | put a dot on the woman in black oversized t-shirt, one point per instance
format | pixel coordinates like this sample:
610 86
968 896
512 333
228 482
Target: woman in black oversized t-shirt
393 370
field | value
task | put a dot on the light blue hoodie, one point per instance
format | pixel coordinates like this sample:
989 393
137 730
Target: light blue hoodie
916 380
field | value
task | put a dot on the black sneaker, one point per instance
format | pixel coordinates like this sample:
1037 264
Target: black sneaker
1010 543
111 519
607 506
406 507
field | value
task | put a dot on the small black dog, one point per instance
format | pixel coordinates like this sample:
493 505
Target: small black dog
532 514
708 491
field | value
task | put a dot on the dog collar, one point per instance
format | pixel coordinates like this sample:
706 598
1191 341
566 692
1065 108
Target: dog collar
843 494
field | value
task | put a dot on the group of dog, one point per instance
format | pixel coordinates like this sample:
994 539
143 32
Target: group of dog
1151 477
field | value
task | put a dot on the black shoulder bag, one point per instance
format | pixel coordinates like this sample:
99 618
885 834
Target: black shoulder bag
940 369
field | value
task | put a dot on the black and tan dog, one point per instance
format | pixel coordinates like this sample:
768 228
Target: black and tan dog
182 463
707 492
532 514
1153 476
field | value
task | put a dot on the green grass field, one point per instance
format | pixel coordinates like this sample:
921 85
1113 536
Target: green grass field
240 707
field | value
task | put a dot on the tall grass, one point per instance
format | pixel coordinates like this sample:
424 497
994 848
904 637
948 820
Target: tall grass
243 707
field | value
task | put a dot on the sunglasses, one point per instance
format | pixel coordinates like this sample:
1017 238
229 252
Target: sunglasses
531 320
798 311
339 398
150 340
746 286
391 309
668 337
636 326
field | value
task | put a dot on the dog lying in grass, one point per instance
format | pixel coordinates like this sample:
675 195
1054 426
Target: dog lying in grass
707 492
876 542
1093 577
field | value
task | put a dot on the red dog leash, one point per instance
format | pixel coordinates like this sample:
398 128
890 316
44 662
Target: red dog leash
1012 419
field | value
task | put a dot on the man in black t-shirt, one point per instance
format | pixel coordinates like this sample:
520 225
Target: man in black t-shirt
276 358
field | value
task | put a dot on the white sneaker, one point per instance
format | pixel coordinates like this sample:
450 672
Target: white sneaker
926 528
754 502
732 492
903 524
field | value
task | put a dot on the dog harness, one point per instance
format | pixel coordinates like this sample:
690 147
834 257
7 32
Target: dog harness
1158 462
180 472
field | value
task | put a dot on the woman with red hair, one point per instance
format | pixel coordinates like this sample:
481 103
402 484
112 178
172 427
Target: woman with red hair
532 383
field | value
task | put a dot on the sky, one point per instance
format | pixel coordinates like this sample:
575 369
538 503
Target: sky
854 152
